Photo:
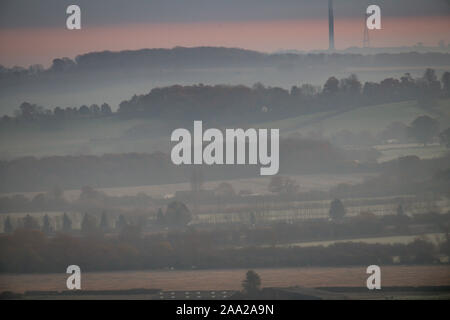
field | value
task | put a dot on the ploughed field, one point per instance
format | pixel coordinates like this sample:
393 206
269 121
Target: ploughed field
230 279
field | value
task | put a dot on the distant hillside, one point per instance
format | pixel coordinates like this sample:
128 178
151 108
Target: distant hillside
135 169
180 58
370 118
176 58
100 77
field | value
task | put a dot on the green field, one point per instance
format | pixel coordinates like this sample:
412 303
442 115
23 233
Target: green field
433 237
82 136
390 152
230 279
111 135
371 118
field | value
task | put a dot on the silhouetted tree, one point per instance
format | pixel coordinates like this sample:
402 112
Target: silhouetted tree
59 113
46 225
430 76
252 218
252 283
400 210
104 223
160 216
444 137
424 128
62 64
8 228
331 87
351 85
106 109
430 87
67 223
28 111
177 213
30 223
446 82
121 222
337 210
88 224
84 110
94 109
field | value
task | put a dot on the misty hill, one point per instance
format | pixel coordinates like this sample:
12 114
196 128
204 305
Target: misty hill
100 77
217 57
135 169
176 58
180 58
97 134
245 104
373 119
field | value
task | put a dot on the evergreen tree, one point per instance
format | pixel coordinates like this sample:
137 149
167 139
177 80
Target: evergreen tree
160 216
177 214
121 222
46 226
8 228
252 283
67 223
423 129
88 224
104 223
30 223
400 211
337 210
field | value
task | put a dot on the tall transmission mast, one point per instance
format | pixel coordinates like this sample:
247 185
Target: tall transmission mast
330 25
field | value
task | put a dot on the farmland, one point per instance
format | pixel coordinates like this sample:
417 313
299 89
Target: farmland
267 212
371 118
394 151
257 185
114 135
230 279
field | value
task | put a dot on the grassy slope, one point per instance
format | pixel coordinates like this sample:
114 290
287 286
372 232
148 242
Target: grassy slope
98 136
371 118
87 136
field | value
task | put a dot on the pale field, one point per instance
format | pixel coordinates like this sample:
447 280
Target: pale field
435 238
258 185
230 279
370 118
396 69
394 151
81 137
108 135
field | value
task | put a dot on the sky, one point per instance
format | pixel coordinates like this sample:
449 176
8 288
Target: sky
34 32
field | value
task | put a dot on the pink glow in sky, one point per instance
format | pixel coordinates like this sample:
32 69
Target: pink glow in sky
30 46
